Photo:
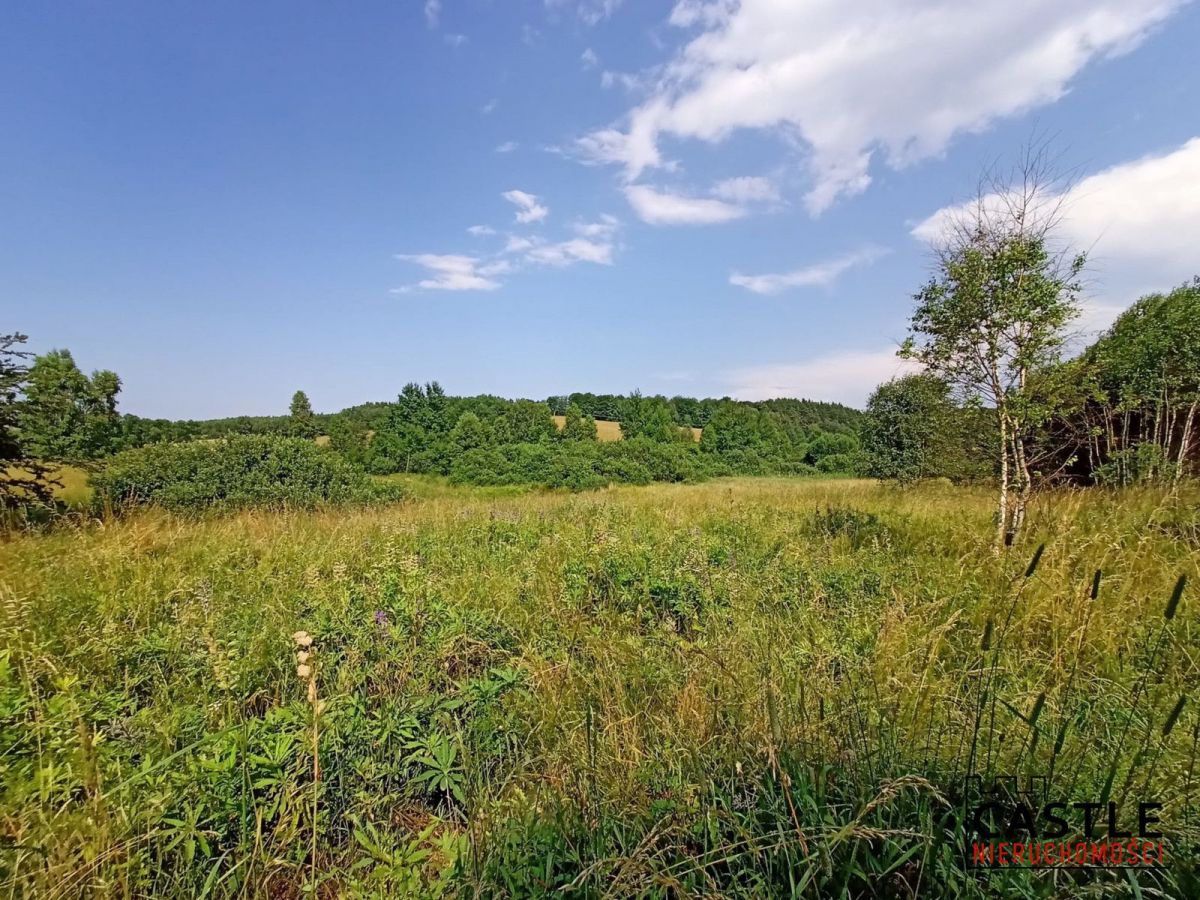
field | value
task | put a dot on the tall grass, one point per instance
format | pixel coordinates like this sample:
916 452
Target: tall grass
745 688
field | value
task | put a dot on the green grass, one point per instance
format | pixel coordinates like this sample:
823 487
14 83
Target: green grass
754 687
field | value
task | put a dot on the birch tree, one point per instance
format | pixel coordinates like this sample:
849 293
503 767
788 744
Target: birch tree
995 312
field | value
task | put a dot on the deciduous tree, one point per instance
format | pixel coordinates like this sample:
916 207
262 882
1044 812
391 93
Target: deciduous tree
995 312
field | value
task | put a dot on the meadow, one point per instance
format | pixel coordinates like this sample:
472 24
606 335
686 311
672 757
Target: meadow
748 687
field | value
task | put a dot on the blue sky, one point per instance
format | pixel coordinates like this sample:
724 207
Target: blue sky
224 202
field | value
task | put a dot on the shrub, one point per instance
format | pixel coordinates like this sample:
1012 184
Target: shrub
481 466
249 470
843 463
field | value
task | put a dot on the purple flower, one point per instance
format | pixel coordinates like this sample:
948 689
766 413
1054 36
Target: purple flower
381 618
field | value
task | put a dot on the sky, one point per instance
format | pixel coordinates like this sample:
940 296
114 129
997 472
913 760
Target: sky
225 202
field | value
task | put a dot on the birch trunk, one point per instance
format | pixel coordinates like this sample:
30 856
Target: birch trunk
1184 441
1002 500
1023 484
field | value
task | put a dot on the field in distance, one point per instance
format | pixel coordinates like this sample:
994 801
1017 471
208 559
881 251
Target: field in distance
611 431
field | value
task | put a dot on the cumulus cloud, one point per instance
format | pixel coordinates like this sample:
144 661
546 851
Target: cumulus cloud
893 78
450 272
1139 222
507 147
820 274
666 208
529 207
846 376
481 230
588 59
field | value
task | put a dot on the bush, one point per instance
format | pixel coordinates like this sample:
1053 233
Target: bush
584 465
250 470
837 463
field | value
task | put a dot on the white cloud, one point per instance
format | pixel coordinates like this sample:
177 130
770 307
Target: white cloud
845 376
455 40
820 274
481 230
489 107
746 189
898 78
666 208
595 243
433 9
571 251
451 272
588 59
590 12
630 82
496 267
529 207
518 244
604 228
1139 222
507 147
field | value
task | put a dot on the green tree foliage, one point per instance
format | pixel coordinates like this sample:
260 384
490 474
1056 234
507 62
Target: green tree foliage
527 421
65 415
1144 373
650 418
413 438
582 465
912 430
994 315
576 425
469 433
248 470
350 437
22 480
303 422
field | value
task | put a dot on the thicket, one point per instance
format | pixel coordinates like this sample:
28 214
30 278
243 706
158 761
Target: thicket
1123 411
247 470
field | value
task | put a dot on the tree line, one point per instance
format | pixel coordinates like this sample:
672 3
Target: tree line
53 413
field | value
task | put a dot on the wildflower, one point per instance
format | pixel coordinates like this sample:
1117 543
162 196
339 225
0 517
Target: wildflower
381 618
302 639
303 671
302 656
